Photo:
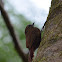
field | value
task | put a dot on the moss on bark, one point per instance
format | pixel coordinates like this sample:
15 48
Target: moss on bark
50 49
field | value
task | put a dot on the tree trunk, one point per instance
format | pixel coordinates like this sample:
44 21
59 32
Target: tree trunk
50 49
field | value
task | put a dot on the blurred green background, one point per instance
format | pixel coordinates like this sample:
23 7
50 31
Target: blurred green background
7 51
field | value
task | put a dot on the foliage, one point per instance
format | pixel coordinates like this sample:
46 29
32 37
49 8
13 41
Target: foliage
7 51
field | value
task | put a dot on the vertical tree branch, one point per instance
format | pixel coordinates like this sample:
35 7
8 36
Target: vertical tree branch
13 35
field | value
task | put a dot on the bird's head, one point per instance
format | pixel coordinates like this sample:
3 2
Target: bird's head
28 27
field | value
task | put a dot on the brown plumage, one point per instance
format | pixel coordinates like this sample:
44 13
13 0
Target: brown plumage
33 38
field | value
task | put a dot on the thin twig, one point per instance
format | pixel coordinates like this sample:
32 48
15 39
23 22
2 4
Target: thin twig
13 34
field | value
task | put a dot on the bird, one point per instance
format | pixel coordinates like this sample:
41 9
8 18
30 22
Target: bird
33 39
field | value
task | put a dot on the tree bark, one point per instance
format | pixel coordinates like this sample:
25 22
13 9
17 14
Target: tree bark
50 49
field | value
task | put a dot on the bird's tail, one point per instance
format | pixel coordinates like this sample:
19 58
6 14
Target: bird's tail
31 53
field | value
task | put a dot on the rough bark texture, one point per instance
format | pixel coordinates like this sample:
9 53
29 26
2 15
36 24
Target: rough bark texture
50 49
